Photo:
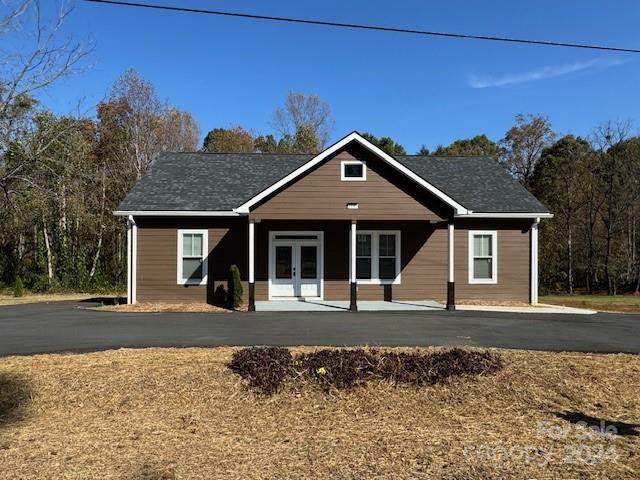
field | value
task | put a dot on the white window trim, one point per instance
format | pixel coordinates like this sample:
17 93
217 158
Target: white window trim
494 263
363 178
375 256
205 259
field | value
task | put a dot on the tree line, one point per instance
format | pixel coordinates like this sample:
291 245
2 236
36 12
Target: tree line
61 176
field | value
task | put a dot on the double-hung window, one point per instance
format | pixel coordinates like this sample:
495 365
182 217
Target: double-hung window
378 257
192 257
483 258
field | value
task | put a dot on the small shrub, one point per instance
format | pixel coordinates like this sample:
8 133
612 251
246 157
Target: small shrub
234 287
18 287
337 368
264 367
437 367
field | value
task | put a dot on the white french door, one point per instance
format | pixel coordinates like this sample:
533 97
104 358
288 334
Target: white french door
295 265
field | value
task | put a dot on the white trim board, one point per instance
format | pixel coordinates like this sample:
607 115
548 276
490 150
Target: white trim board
532 215
352 137
177 213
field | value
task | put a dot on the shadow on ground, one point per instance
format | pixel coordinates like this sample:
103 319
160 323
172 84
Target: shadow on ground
603 425
105 300
15 394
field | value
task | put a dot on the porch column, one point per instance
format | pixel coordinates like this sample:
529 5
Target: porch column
132 259
353 304
451 291
252 285
534 262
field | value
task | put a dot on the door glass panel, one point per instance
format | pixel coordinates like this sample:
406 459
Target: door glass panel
309 262
283 261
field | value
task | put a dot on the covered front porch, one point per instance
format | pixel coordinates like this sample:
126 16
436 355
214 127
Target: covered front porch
349 265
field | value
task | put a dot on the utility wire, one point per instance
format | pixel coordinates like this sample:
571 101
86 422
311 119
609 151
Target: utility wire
364 26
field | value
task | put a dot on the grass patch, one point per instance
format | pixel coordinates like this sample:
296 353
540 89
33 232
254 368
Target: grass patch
608 303
181 413
10 299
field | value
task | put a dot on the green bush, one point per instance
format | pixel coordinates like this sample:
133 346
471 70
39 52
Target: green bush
234 287
18 287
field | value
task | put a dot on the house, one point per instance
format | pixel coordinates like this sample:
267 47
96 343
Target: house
349 223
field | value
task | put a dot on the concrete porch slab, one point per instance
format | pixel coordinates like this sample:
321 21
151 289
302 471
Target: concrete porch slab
343 305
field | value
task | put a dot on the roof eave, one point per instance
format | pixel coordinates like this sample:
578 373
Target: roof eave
505 215
177 213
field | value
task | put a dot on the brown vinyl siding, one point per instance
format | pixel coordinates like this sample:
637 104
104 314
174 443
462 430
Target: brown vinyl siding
157 260
514 256
320 194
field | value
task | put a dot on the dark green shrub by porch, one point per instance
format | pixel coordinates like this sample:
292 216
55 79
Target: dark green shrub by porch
18 288
234 287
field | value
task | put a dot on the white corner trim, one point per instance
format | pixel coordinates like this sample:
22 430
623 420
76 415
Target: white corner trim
177 213
494 263
505 215
205 257
344 178
354 136
129 266
534 262
134 261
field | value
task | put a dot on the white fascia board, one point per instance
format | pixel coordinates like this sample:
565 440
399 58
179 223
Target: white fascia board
177 213
354 136
505 215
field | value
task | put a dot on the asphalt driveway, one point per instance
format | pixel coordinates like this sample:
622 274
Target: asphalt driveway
69 326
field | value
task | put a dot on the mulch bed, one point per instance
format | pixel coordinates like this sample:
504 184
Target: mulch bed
182 414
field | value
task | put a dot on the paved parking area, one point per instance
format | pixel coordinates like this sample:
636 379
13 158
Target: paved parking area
69 326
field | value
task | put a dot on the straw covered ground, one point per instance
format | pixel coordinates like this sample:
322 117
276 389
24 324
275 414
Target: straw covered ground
182 414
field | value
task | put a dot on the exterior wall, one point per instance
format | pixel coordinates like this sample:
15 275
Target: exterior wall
157 258
385 195
514 258
423 262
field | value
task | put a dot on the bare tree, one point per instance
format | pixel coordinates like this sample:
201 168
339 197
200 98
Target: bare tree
607 138
302 111
523 144
180 132
48 57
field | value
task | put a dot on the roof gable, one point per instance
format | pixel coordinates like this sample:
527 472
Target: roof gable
340 144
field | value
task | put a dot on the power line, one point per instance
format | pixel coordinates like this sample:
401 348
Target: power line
365 27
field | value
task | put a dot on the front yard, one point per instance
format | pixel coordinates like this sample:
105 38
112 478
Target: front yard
181 413
605 303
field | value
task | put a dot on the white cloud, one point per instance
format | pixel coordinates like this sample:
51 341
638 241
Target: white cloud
541 73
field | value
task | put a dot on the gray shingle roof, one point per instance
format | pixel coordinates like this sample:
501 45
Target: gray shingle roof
213 182
478 183
207 181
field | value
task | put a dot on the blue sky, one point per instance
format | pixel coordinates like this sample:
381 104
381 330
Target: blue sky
418 90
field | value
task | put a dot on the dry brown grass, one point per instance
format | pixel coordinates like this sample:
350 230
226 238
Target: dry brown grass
167 307
172 413
42 297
